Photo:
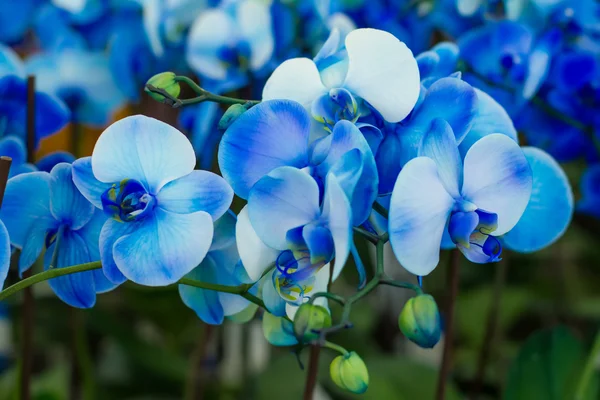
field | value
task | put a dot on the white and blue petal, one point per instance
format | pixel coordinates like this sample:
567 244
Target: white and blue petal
66 203
255 26
113 230
439 144
337 214
284 199
296 79
278 331
497 179
419 209
145 149
382 71
274 303
550 207
164 247
256 256
197 191
271 134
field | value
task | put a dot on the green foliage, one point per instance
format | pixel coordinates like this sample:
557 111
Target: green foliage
549 366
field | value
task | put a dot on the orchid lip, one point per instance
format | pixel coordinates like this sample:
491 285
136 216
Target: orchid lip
127 201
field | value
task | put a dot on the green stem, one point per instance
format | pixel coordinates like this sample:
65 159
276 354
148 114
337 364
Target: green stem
381 210
335 347
404 285
588 370
330 296
208 96
371 237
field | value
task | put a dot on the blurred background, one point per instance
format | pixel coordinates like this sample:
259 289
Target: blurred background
521 324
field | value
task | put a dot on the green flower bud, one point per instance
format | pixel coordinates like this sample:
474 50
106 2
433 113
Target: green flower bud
420 321
165 81
231 115
350 372
310 317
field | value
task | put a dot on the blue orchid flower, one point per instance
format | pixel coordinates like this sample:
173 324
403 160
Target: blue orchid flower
141 174
550 206
590 191
83 11
10 63
385 76
51 113
201 122
45 210
13 147
479 198
227 43
285 226
276 133
222 266
82 80
47 162
16 19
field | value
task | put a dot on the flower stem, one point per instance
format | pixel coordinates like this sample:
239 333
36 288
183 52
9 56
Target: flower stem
313 369
449 334
588 371
335 347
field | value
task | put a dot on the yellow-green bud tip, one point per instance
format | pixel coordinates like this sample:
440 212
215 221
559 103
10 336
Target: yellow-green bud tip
420 321
309 318
165 81
350 373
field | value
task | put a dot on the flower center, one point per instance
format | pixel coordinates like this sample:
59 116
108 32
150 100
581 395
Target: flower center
335 106
294 276
471 232
127 201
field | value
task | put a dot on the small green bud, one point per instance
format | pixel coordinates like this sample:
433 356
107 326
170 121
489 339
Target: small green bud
165 81
310 317
231 115
350 372
420 321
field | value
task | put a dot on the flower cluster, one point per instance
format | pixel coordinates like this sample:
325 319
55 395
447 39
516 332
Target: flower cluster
364 138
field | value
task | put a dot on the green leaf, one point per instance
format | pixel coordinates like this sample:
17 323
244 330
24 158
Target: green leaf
549 367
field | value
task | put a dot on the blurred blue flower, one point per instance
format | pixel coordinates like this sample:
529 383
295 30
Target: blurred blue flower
45 210
483 195
227 44
82 80
384 75
221 266
83 11
285 226
141 173
13 147
47 162
51 113
590 192
276 133
10 63
201 121
15 19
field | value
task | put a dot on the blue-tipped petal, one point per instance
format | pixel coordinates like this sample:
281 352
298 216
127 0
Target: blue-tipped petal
77 290
489 118
48 162
205 303
320 243
5 253
280 201
66 203
345 137
35 242
87 184
337 214
256 256
197 191
26 203
497 178
439 144
164 247
271 134
144 149
273 301
419 209
550 207
278 331
450 99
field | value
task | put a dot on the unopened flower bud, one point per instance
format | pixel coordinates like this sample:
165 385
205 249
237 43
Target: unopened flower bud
231 115
310 318
165 81
420 321
350 373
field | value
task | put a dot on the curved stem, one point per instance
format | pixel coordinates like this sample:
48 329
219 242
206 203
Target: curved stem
208 96
404 285
331 296
335 347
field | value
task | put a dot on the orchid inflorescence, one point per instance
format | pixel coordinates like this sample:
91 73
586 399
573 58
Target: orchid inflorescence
365 140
